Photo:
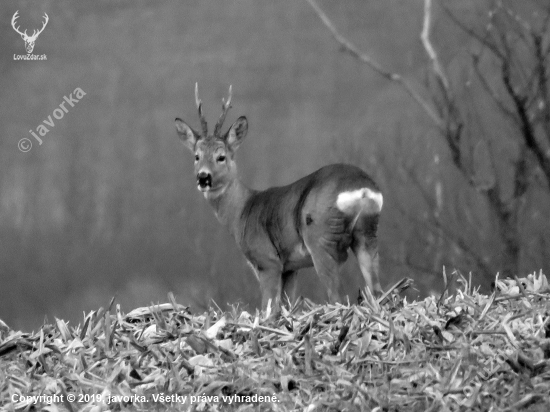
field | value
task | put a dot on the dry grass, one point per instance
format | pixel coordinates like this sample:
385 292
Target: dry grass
462 351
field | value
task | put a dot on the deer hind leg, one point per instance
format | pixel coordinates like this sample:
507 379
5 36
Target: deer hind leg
366 250
327 241
327 268
290 286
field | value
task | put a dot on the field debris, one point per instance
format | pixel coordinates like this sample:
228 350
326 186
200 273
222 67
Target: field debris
461 351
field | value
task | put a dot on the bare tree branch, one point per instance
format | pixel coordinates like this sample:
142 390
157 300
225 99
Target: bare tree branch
521 52
452 117
516 18
425 37
527 131
470 32
435 226
544 95
374 65
521 183
496 99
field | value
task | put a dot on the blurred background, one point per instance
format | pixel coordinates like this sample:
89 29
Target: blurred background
107 204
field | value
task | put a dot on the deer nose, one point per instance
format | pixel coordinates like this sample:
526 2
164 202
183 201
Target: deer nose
204 180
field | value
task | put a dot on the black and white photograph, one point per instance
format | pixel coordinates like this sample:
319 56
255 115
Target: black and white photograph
259 205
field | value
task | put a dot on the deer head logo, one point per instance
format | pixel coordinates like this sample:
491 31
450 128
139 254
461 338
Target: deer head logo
29 40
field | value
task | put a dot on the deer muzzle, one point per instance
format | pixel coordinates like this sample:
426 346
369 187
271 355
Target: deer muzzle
204 180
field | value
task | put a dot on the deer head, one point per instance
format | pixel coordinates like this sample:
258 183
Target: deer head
29 40
215 167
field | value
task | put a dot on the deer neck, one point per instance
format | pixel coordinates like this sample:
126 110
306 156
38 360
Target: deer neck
228 205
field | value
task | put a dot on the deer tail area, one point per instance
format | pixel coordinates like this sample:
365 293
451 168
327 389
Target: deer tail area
360 202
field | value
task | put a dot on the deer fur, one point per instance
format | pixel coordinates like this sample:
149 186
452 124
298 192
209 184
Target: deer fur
314 221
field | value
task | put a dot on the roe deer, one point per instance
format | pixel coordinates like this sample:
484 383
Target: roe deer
311 222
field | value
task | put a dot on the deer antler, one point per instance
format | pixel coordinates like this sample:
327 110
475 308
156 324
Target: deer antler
15 17
226 105
199 107
37 32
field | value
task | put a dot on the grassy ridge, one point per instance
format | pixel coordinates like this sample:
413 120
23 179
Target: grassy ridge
461 351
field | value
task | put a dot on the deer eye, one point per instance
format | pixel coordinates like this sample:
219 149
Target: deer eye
196 158
221 158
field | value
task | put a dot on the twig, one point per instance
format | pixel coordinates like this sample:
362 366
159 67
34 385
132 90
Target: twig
350 48
472 33
425 37
485 84
527 130
264 328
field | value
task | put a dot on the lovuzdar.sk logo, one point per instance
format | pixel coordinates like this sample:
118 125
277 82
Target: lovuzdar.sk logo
29 40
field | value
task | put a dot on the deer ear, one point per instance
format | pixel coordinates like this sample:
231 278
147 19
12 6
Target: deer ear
236 133
187 135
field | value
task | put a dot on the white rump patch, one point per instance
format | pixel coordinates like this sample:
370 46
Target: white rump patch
358 201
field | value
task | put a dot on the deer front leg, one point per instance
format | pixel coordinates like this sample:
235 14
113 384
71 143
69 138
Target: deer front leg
290 286
271 286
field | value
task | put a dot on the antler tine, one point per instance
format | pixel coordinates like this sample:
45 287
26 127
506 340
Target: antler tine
198 101
13 23
226 105
46 20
